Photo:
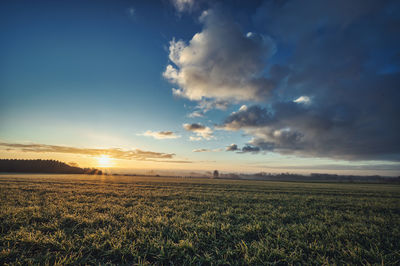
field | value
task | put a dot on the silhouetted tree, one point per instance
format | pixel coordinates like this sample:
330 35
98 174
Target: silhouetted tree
215 174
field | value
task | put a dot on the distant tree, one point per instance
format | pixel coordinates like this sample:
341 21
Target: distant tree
215 174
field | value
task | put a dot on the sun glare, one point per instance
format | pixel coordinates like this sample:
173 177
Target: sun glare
104 161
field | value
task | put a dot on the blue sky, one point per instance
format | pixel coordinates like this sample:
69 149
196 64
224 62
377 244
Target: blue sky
100 74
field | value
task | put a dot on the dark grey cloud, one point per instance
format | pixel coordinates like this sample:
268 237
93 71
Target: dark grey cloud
194 127
337 72
336 48
294 19
322 77
253 116
232 147
250 148
331 131
366 167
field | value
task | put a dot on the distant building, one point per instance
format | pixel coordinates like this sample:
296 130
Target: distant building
215 174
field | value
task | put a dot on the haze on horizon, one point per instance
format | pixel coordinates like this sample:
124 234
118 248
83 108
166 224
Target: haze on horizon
238 86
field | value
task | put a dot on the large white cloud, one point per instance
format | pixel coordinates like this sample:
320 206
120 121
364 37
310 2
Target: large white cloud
220 62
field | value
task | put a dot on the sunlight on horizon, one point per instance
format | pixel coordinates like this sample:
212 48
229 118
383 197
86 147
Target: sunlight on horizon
104 161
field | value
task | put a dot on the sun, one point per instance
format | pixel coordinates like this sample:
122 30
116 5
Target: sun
104 161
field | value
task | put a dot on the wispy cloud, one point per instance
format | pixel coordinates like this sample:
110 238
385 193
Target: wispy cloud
160 134
175 161
195 114
207 150
183 5
194 138
206 105
116 153
131 11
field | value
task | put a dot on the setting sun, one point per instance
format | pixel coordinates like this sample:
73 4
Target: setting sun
104 161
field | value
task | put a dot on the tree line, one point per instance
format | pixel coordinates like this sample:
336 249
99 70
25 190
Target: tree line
43 166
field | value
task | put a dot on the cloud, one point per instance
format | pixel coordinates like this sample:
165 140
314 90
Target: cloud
184 5
160 134
303 100
195 114
194 127
247 117
207 105
338 132
131 11
204 106
193 138
331 59
232 147
246 148
320 78
220 62
202 132
115 153
294 19
366 167
249 148
175 161
207 150
201 150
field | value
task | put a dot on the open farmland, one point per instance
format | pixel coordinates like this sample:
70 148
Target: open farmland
135 220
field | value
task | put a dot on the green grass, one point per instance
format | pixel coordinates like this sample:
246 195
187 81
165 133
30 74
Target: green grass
133 220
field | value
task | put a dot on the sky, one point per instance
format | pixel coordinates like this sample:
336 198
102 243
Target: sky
239 86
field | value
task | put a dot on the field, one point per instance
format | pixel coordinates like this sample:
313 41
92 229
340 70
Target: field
137 220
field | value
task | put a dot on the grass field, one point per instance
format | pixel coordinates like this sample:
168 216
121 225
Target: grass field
133 220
